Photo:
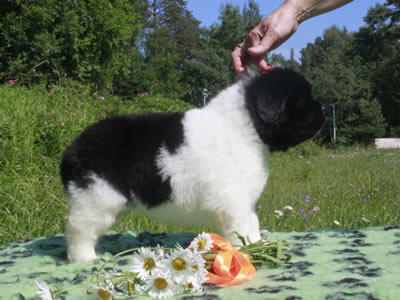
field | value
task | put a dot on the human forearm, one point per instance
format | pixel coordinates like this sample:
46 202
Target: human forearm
306 9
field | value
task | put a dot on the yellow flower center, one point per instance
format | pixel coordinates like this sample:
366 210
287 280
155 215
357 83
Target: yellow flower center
103 294
179 264
201 244
160 283
149 264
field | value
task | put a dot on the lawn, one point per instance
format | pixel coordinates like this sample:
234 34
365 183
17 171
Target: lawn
348 187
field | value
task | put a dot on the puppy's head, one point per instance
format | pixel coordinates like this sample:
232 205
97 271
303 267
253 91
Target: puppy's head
282 109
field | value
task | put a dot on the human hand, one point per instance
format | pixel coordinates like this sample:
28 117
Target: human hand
268 35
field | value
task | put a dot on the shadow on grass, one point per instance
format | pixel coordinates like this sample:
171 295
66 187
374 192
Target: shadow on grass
113 243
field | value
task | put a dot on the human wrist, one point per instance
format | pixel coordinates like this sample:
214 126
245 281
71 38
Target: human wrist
289 10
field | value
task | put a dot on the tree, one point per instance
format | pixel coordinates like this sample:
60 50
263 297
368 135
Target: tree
169 35
280 60
377 46
51 40
336 82
205 69
232 29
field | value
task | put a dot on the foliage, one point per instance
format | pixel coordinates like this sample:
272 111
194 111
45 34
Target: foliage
280 60
377 46
336 81
54 40
36 125
232 29
130 47
306 150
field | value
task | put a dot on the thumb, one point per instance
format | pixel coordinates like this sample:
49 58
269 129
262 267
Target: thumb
262 47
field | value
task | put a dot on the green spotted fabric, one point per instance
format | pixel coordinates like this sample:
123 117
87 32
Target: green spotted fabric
326 264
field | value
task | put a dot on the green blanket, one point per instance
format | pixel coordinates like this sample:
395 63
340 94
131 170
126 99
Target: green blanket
325 264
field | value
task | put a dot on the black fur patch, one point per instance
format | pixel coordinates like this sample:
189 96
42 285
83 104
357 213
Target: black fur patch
122 150
282 109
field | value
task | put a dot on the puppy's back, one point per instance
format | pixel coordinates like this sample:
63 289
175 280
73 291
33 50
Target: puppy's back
122 150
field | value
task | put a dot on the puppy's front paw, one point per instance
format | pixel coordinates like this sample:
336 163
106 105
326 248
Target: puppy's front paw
81 254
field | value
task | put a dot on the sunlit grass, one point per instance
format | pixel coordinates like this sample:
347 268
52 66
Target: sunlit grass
355 187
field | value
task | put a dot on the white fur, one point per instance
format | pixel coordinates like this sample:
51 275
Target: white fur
221 169
216 176
91 212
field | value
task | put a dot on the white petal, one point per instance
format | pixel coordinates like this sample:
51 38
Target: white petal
44 291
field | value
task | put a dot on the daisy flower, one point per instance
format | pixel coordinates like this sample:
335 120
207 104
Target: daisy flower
44 291
179 264
202 243
200 272
146 261
131 286
106 290
161 286
288 207
315 209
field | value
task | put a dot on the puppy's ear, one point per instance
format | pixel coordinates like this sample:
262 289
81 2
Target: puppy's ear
270 110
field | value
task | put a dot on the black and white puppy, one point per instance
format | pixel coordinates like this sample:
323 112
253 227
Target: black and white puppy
205 166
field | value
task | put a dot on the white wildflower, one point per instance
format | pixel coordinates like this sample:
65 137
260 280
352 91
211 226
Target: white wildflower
199 271
365 219
105 291
315 209
336 222
159 285
179 264
278 213
146 261
202 243
44 291
288 207
131 286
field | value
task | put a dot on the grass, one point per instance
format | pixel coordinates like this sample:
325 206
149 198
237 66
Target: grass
356 187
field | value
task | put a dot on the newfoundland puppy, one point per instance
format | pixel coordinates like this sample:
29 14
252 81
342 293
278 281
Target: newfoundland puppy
205 166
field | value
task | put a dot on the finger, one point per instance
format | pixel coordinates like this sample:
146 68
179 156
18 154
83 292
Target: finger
260 62
238 60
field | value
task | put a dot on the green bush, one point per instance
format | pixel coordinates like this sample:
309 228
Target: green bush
36 124
306 149
48 40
